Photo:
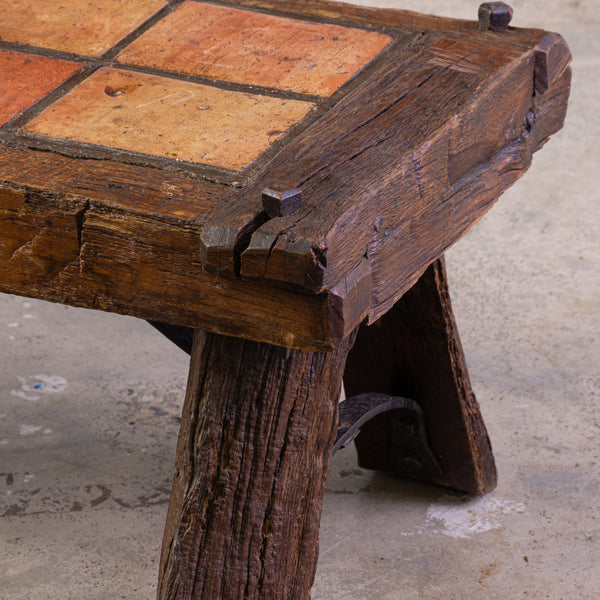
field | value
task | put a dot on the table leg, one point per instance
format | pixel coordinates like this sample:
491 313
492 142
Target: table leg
253 457
414 351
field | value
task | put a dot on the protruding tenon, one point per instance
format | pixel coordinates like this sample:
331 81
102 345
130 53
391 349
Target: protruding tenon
495 16
279 203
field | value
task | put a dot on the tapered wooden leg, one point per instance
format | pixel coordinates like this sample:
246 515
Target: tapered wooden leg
253 457
414 351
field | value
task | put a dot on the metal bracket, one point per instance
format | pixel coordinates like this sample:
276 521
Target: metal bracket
395 424
399 426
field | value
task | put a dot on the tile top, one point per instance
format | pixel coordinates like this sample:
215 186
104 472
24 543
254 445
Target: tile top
253 48
27 79
88 27
169 118
189 85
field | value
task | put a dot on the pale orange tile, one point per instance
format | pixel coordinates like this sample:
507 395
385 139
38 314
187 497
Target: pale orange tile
88 27
27 78
254 48
169 118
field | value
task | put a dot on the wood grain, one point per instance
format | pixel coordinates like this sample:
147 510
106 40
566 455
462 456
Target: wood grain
66 251
445 127
141 190
253 458
121 239
415 351
395 170
340 12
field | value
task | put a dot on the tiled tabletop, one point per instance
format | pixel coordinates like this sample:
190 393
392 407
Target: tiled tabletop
189 81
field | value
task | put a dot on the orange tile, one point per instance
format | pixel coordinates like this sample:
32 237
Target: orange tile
169 118
254 48
88 27
27 78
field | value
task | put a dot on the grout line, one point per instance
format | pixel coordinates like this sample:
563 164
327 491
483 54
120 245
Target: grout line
11 131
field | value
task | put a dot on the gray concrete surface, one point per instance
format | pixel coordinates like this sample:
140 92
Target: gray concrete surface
89 404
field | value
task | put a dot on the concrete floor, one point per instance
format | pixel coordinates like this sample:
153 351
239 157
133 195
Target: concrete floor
89 404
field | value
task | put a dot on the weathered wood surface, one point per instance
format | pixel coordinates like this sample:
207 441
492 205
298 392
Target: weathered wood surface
395 170
253 458
340 12
63 248
415 351
443 130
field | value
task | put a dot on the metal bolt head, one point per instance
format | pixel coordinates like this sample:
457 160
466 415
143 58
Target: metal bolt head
495 16
279 203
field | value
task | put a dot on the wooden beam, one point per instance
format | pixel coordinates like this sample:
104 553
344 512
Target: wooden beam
253 457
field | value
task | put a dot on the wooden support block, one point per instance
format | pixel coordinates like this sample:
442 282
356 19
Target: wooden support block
253 458
414 351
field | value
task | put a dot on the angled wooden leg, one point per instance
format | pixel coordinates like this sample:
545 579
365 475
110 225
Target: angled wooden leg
253 457
414 351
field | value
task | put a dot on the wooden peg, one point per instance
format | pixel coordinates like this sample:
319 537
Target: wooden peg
279 203
495 16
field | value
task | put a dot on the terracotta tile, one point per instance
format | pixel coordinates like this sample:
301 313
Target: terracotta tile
27 78
169 118
254 48
88 27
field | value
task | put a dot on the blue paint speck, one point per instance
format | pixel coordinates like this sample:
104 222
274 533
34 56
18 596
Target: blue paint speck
37 386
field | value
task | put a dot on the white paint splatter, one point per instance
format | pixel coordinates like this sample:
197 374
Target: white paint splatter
187 95
13 324
463 517
27 478
47 431
26 304
28 316
29 429
33 385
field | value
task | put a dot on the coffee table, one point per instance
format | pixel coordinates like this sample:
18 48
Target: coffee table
280 179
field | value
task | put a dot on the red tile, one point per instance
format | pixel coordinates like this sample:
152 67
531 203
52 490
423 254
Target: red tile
254 48
27 78
169 118
88 27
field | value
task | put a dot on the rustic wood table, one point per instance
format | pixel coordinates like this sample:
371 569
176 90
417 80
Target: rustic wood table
278 176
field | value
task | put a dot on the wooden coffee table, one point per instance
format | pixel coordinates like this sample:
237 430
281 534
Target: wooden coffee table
283 177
